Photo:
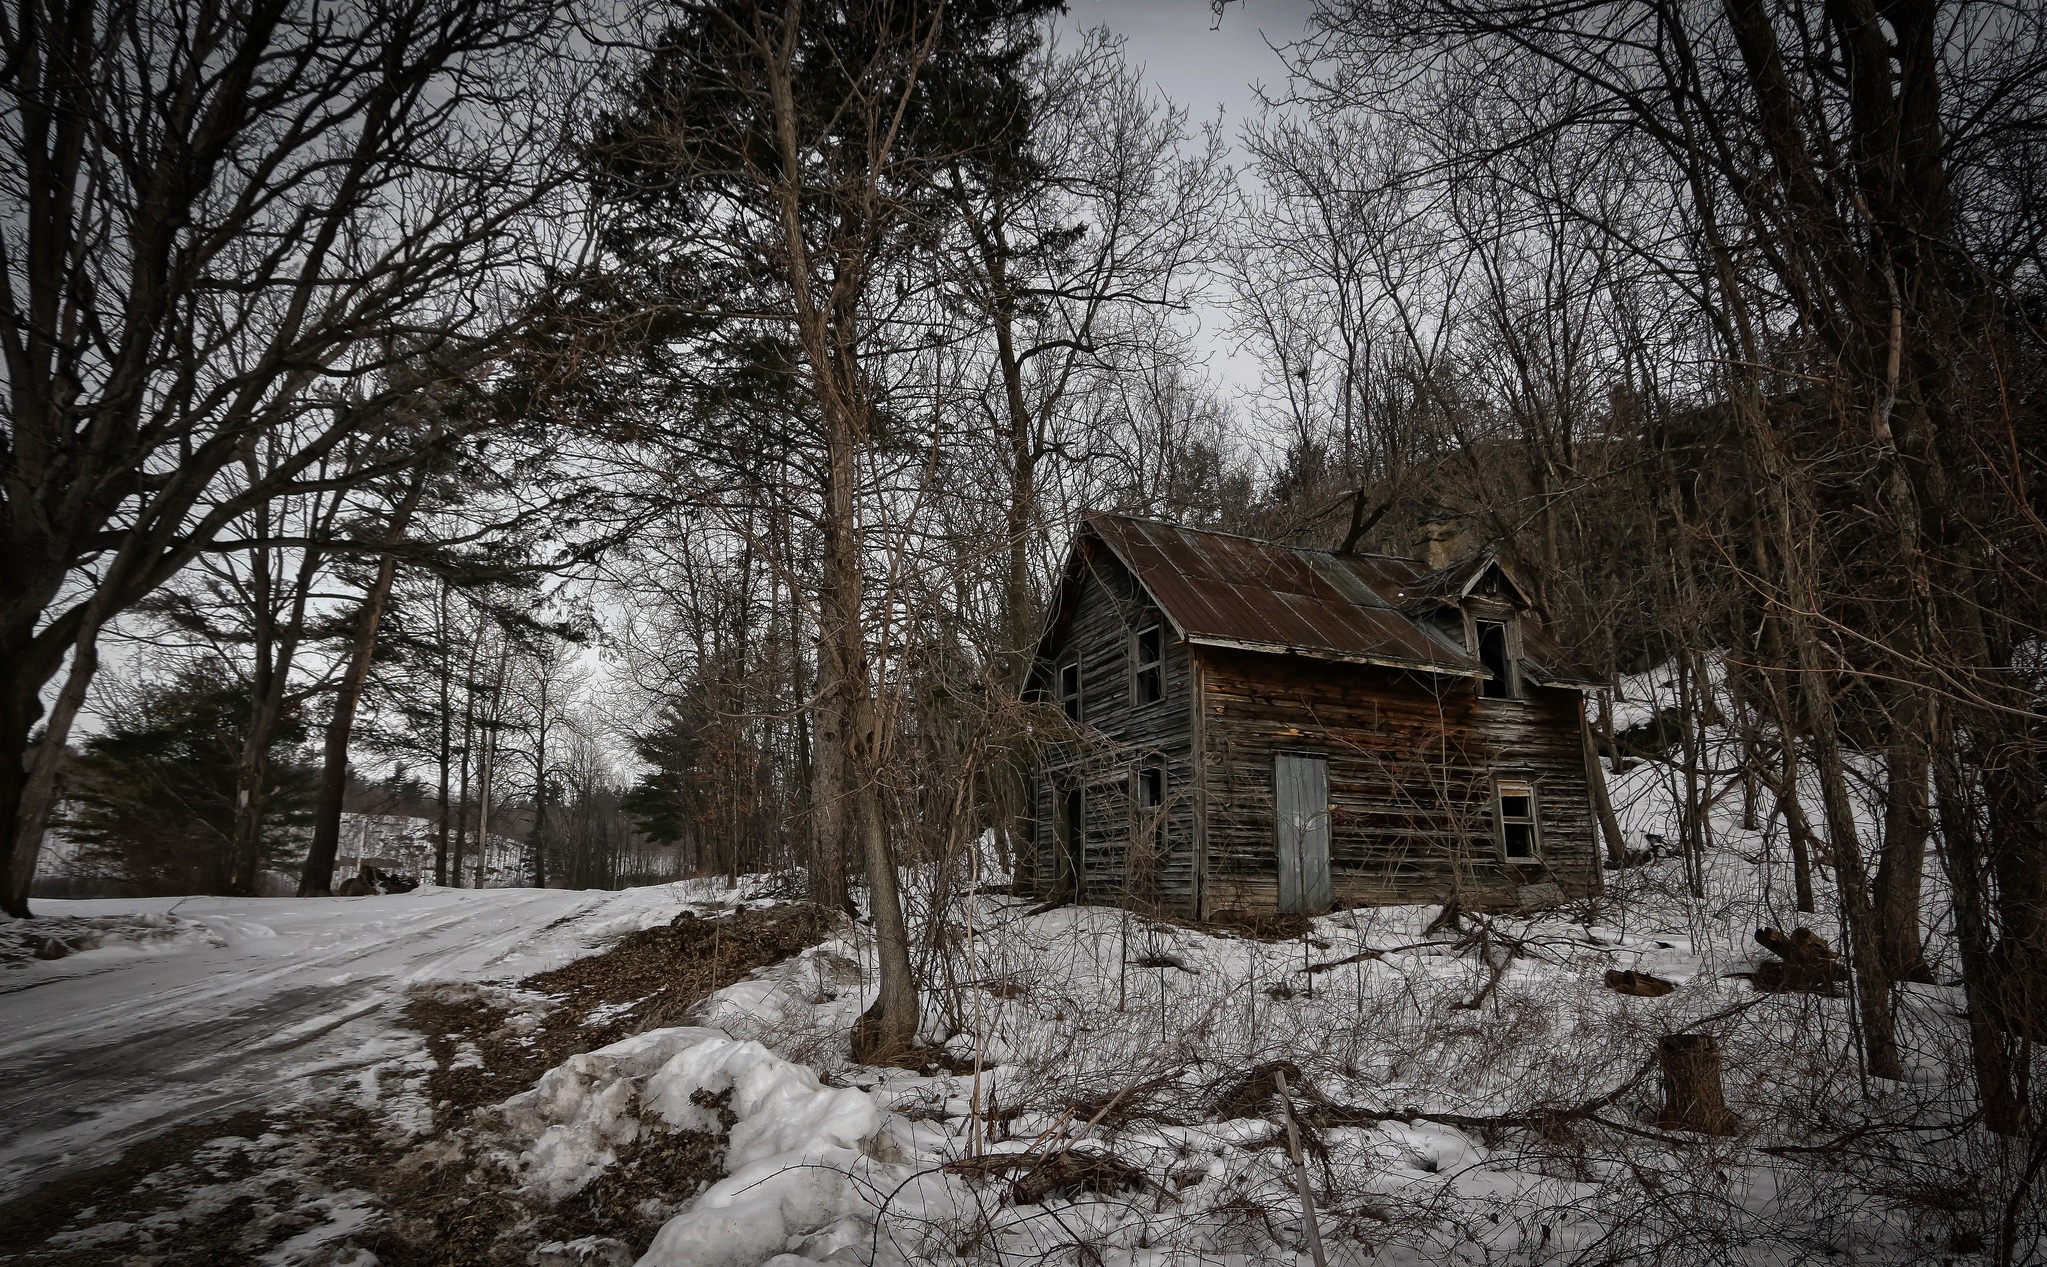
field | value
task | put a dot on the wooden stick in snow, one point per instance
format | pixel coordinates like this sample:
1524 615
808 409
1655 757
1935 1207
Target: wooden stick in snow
1309 1229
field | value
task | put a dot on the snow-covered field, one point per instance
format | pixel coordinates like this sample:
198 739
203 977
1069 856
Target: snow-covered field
195 1006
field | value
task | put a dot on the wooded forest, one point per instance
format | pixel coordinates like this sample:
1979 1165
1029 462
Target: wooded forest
653 434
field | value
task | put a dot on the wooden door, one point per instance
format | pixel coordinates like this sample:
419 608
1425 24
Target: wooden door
1300 795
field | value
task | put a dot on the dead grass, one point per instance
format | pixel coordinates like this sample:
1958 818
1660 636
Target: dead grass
485 1049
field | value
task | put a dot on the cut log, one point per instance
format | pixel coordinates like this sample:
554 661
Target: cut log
1692 1097
1804 964
1639 984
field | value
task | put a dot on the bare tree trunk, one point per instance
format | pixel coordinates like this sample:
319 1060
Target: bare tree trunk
468 758
848 754
1907 825
444 673
490 744
318 872
39 789
1602 805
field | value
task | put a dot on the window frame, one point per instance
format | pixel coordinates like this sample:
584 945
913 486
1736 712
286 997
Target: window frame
1505 785
1510 653
1149 789
1069 833
1142 670
1066 686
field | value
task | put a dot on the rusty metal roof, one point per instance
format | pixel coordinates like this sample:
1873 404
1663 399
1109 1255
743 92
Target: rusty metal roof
1261 596
1224 590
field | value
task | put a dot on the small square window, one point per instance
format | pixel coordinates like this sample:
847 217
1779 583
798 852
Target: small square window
1069 690
1147 651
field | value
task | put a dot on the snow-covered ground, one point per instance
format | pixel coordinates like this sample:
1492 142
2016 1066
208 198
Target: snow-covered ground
1469 1092
190 1007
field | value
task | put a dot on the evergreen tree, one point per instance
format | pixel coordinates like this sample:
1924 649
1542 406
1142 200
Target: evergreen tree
154 794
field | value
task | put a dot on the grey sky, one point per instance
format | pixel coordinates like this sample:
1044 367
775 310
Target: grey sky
1206 66
1198 64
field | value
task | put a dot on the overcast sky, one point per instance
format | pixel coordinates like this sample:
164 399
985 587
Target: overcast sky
1206 67
1198 63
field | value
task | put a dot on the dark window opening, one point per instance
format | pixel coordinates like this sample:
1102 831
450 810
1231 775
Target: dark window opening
1517 821
1148 651
1069 690
1151 787
1150 808
1492 653
1072 837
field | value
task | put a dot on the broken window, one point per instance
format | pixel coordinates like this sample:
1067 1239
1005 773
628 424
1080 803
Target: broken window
1069 690
1499 663
1517 820
1149 804
1151 785
1071 837
1148 683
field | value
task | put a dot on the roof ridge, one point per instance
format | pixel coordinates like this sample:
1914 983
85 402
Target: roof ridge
1245 536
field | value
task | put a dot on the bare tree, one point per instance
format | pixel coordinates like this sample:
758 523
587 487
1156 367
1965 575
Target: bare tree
217 220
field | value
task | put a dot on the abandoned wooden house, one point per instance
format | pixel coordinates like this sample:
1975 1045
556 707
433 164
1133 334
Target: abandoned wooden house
1252 728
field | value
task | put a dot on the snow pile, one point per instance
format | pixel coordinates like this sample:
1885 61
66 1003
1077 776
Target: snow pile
801 1157
582 1111
797 1155
53 937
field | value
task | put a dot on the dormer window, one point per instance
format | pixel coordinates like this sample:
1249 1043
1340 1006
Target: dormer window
1069 690
1496 654
1148 674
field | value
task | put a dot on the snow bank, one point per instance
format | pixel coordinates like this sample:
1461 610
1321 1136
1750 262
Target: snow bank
796 1155
783 1109
799 1154
583 1110
49 938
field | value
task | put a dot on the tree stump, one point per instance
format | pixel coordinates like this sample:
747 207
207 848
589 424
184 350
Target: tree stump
1692 1098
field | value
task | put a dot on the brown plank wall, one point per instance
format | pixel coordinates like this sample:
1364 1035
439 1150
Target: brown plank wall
1412 759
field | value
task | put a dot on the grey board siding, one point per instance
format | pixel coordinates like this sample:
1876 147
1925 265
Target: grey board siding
1413 759
1125 860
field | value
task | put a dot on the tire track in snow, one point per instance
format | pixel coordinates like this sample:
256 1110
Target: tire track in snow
80 1086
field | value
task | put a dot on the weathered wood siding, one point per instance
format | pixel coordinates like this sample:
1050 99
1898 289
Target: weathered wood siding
1145 859
1412 760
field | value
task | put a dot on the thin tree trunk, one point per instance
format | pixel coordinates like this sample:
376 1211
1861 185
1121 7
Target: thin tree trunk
1907 825
444 671
1602 804
318 874
490 744
468 757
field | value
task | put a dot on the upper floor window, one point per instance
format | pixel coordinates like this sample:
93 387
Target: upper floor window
1148 681
1496 654
1069 689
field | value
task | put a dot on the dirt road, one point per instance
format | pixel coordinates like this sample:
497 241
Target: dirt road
247 1000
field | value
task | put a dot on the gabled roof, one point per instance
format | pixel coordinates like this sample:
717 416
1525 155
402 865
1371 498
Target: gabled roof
1222 590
